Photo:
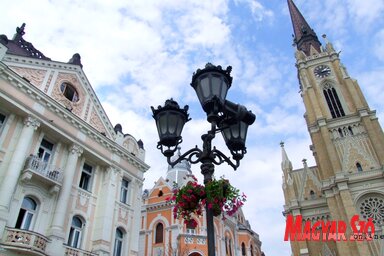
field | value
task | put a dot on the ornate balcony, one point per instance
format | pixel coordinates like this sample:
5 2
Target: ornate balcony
28 242
70 251
49 174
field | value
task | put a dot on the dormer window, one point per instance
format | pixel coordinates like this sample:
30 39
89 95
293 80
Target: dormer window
69 92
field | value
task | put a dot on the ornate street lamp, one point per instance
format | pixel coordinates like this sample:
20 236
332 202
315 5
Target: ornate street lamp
232 120
170 121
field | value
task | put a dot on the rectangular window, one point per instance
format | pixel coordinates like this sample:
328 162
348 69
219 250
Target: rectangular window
124 191
86 177
45 150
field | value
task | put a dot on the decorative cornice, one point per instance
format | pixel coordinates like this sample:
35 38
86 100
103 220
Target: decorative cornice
160 205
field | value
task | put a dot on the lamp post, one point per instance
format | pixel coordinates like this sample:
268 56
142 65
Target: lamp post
232 120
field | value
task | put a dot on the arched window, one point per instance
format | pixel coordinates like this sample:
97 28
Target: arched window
69 92
226 246
75 233
340 133
118 249
350 130
159 233
230 246
359 168
26 213
251 250
243 251
312 194
333 101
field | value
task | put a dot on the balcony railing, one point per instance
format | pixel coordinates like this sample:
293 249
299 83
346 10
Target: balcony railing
18 239
38 166
70 251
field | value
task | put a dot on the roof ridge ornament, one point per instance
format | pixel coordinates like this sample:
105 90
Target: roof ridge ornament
19 32
19 46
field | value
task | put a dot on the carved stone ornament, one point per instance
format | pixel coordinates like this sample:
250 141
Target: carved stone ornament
31 121
34 76
96 122
76 149
372 206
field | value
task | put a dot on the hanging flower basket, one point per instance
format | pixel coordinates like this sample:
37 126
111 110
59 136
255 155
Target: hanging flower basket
219 195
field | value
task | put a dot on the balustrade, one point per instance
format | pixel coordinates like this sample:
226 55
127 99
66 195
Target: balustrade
43 169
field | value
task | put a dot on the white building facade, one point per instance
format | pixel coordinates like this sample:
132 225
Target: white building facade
70 182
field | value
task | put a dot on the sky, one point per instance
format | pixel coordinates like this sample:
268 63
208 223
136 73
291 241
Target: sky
138 53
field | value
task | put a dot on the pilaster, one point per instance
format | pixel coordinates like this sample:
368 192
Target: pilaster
104 221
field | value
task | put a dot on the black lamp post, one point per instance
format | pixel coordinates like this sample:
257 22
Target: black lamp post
232 120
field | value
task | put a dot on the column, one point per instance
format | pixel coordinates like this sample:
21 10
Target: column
57 235
17 162
14 168
136 191
104 221
65 192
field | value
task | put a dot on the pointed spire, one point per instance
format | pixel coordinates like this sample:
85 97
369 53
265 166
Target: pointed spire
304 36
285 162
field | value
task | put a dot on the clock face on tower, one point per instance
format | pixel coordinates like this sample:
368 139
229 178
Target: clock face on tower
322 71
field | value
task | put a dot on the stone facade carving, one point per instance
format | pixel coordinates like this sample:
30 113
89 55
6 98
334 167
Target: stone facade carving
76 149
34 76
48 82
82 201
356 149
31 121
123 215
131 146
96 122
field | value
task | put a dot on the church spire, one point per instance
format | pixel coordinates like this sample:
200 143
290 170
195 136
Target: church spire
304 37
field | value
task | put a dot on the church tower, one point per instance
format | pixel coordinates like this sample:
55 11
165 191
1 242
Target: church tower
347 143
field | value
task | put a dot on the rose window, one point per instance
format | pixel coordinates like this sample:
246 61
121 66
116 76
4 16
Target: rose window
373 207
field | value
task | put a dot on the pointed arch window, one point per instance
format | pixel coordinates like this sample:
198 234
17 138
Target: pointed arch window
243 250
359 168
312 194
159 233
26 214
333 101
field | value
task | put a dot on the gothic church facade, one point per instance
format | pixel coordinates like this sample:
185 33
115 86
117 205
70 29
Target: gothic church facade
347 144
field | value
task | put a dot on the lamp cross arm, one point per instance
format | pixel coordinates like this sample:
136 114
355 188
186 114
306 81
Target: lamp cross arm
219 158
193 156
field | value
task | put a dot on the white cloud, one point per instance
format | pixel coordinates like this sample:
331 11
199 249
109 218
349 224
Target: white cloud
364 13
378 47
258 10
138 53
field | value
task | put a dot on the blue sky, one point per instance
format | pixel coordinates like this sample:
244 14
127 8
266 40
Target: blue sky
138 53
